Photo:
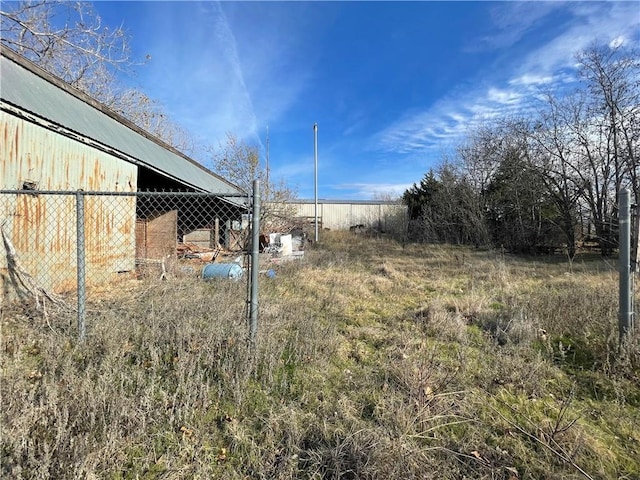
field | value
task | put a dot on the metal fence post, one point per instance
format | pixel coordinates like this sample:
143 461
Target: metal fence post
635 237
625 315
255 262
80 266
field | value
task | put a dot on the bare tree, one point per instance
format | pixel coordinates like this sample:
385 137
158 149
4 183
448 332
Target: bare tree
612 76
69 40
480 155
586 143
553 146
239 162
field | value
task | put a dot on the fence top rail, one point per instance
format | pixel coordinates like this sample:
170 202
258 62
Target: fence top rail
123 194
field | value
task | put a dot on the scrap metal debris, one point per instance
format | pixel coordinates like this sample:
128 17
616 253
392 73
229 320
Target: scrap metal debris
193 251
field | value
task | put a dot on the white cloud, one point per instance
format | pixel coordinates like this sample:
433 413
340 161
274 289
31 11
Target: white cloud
550 66
373 190
512 21
215 76
531 79
197 72
617 42
504 97
601 22
441 126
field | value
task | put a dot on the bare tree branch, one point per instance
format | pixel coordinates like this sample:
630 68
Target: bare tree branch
69 40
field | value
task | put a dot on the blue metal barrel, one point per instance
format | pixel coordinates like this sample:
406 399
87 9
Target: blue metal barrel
222 270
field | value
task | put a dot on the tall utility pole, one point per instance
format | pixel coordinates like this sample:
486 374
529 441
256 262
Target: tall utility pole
266 186
315 176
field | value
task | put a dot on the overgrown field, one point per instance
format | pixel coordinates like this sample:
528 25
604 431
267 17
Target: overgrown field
372 361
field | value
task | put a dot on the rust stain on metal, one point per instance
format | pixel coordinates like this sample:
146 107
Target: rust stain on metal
43 227
17 138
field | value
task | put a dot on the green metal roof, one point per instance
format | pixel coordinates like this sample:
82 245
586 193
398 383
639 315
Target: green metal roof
46 98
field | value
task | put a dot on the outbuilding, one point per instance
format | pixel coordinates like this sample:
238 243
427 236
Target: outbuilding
378 215
55 141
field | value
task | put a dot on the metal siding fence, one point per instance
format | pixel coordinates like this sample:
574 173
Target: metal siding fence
62 240
343 215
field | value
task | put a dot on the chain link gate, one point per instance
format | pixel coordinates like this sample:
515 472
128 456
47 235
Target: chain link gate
73 247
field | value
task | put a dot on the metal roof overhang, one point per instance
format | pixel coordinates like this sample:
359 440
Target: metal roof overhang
31 93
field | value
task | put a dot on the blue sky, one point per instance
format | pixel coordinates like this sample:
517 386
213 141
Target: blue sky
393 86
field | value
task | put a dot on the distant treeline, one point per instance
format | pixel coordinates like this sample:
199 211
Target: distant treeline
547 181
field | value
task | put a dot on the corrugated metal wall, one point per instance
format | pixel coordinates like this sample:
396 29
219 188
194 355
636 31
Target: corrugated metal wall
42 228
55 162
343 215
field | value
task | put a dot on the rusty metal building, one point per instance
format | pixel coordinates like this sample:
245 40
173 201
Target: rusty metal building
55 138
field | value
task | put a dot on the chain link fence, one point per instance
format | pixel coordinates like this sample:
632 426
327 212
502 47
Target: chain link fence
74 247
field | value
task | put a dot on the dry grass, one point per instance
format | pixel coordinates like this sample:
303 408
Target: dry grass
372 361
